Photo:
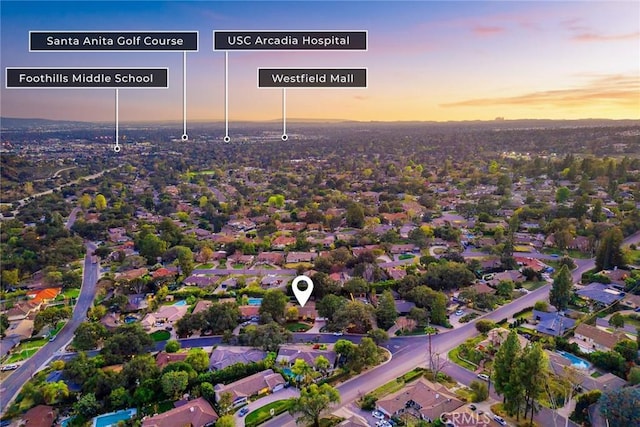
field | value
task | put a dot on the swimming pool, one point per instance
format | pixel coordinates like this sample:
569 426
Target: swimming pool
112 418
180 303
254 301
576 362
130 319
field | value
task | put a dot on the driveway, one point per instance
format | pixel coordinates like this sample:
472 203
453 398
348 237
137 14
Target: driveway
285 393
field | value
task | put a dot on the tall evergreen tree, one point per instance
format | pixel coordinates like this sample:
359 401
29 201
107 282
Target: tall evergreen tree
609 252
503 364
386 313
560 293
532 373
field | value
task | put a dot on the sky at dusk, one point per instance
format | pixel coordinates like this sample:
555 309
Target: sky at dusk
426 60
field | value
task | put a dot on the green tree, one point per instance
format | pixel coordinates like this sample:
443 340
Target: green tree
355 215
378 335
322 364
480 390
87 406
10 277
541 306
628 349
504 364
4 324
367 353
96 312
54 392
269 337
174 383
185 259
100 202
621 406
505 288
344 348
483 325
303 371
198 359
276 200
355 315
314 400
609 254
616 320
125 342
273 305
225 403
226 421
172 346
119 398
151 247
89 335
562 194
532 371
329 306
560 293
85 201
221 317
634 375
386 313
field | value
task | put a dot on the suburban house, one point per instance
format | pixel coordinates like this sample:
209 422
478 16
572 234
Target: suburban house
248 312
422 399
262 382
163 358
600 293
403 307
195 413
276 258
552 324
591 338
296 257
43 296
39 416
632 301
165 314
497 336
223 356
288 354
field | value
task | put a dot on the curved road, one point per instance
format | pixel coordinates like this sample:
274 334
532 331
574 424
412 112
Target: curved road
11 386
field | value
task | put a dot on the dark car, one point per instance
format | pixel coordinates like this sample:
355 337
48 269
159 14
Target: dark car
244 411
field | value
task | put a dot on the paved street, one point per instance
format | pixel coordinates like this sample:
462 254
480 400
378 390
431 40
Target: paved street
11 386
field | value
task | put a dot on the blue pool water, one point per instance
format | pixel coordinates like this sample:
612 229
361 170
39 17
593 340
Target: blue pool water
255 301
130 319
112 418
576 362
181 302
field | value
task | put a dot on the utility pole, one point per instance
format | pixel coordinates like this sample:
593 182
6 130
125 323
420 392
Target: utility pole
429 338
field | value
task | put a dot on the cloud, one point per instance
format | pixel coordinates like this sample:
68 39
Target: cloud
595 37
484 30
612 89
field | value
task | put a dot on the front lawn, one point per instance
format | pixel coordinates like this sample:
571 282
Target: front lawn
25 350
158 336
631 321
263 414
397 384
204 266
71 293
454 356
533 285
298 327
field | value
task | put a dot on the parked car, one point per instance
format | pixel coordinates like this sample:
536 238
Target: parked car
499 420
244 411
10 367
459 312
483 377
338 334
472 407
377 414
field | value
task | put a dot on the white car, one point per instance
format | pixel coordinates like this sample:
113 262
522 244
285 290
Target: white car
483 377
10 367
338 334
499 420
377 414
459 312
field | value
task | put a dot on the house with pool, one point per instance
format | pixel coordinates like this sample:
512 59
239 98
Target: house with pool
590 338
